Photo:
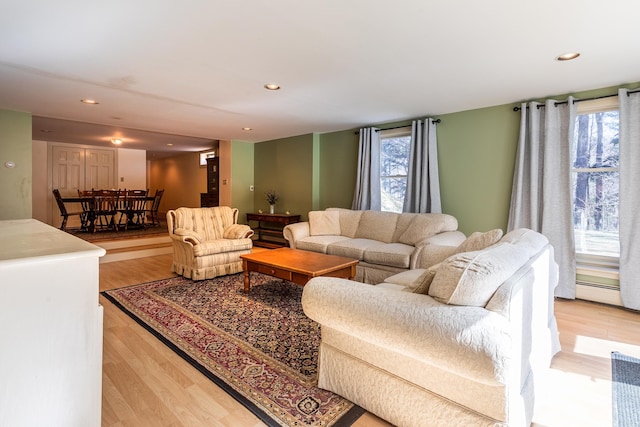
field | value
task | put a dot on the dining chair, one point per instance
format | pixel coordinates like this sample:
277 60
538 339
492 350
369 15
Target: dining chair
133 207
66 214
153 211
105 209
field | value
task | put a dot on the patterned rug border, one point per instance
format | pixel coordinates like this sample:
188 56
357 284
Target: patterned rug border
345 421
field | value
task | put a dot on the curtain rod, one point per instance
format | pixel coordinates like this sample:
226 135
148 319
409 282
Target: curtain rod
580 100
436 121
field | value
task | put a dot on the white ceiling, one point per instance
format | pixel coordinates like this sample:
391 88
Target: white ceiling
197 68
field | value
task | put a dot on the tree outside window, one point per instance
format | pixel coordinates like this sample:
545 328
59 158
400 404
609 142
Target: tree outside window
394 165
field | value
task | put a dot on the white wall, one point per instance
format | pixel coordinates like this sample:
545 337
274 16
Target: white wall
132 169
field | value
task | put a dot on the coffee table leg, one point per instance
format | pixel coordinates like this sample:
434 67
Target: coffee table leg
246 276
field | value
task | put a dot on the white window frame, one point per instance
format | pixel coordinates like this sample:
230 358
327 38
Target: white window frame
392 133
596 265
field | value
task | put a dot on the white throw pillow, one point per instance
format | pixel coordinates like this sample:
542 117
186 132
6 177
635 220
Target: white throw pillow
322 223
423 283
471 278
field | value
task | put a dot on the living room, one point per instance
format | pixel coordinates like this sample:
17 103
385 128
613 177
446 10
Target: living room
314 169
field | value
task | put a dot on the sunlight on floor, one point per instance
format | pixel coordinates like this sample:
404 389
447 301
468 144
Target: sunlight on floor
602 348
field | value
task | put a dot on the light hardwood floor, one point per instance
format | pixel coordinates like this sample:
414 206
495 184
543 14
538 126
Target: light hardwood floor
146 384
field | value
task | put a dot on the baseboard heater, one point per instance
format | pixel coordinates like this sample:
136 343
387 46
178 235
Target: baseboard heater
598 292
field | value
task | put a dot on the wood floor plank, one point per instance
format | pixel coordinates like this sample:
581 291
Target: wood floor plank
147 384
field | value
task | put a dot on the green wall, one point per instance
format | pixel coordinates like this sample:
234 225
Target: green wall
242 166
15 146
338 168
476 151
287 167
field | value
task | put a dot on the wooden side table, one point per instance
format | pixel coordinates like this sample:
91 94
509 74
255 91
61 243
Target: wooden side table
271 225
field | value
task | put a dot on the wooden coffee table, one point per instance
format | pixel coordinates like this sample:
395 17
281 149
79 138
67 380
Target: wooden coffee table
296 266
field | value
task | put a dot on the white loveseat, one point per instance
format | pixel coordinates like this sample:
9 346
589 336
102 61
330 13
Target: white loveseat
386 243
463 343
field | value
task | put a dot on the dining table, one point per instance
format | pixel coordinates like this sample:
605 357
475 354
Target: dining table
91 206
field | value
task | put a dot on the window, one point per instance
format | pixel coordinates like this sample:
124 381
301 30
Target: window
595 183
394 164
205 156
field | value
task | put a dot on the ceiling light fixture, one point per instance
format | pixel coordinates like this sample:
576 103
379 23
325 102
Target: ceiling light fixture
116 141
247 129
89 101
567 56
272 86
169 145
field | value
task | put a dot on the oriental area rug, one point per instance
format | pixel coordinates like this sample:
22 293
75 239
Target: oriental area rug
258 347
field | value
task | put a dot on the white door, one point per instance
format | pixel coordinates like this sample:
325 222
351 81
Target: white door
99 169
76 168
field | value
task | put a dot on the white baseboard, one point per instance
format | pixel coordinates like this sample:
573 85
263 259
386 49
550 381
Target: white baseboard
603 294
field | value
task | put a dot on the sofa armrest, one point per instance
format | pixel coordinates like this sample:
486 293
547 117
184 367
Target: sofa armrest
237 231
435 249
471 341
296 231
187 236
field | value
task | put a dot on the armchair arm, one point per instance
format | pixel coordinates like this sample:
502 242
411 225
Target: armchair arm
187 236
295 231
237 231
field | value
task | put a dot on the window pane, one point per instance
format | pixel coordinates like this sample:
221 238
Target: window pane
596 140
393 190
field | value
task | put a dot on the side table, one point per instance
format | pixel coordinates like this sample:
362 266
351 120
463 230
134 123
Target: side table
271 225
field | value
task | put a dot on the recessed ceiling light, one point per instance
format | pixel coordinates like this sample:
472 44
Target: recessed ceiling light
567 56
169 145
116 141
247 129
89 101
272 86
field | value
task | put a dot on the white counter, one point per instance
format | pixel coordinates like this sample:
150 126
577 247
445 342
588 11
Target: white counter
50 327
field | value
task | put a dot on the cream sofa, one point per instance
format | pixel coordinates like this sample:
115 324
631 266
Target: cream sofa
207 242
461 343
386 243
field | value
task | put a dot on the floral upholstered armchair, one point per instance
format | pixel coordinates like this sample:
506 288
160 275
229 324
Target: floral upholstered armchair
207 242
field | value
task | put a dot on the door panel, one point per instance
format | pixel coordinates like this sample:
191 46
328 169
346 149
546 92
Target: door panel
79 168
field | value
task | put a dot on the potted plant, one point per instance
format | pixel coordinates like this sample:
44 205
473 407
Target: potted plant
272 197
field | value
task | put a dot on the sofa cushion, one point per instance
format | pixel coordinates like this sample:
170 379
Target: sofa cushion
376 225
351 248
322 223
425 225
349 220
391 254
471 278
221 246
478 241
405 278
318 243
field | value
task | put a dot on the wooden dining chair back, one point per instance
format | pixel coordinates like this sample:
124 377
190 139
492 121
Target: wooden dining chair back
152 212
105 209
133 208
66 214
